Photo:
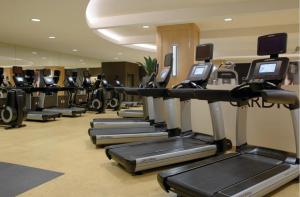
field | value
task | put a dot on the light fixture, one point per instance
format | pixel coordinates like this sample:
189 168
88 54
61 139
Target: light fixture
116 58
51 37
146 26
35 20
146 46
75 50
120 53
228 19
34 53
81 60
44 58
110 34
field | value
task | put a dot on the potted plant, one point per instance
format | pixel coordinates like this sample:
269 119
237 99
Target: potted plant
149 65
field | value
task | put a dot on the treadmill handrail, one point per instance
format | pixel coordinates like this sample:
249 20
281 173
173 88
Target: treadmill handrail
281 97
278 96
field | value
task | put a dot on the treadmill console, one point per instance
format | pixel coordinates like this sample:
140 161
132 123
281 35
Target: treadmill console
163 75
272 69
71 81
163 78
48 81
200 72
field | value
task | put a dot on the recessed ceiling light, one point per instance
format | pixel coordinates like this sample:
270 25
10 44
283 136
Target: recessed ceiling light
120 53
75 50
34 53
81 60
116 58
51 37
35 20
227 19
146 26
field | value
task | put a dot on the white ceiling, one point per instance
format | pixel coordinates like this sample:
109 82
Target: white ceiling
251 18
63 18
67 20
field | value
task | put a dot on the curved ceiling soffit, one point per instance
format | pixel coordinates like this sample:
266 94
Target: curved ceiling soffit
98 25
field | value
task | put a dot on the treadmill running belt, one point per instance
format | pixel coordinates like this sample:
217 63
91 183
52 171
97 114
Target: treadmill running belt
210 179
170 145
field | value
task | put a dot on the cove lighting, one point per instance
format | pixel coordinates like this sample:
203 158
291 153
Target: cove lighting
110 34
51 37
146 46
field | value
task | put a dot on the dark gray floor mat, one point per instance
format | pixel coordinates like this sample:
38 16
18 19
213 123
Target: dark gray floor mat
16 179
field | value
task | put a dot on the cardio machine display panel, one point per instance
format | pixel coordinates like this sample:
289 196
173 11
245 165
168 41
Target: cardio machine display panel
267 68
48 80
19 79
200 72
163 75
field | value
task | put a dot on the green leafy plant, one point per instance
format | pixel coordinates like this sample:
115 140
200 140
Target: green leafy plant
149 65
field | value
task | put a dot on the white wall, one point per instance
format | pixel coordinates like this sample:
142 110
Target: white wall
270 127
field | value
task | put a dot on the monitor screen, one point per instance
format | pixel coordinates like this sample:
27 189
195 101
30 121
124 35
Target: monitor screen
163 74
49 80
267 68
20 79
272 44
204 52
168 60
199 70
70 79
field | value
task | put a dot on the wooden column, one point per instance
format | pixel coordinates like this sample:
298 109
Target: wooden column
186 38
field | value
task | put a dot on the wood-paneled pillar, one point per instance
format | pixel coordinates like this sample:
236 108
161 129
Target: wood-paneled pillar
186 38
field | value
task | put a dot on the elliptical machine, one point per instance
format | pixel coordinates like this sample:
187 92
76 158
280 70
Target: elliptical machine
115 98
13 110
97 99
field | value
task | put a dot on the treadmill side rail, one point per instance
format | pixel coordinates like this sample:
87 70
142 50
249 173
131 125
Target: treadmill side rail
127 138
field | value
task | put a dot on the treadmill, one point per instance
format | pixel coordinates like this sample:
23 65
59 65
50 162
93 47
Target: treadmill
252 170
183 146
24 80
51 85
119 135
154 105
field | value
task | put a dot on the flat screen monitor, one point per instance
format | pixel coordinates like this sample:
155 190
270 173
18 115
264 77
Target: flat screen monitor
168 60
204 52
272 44
267 68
